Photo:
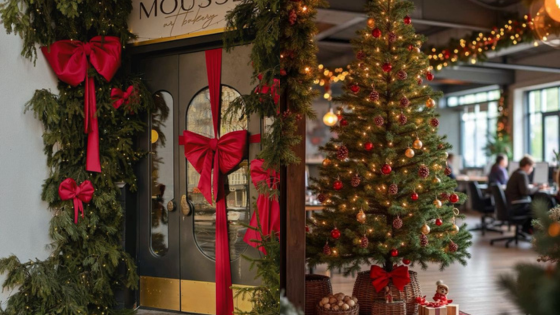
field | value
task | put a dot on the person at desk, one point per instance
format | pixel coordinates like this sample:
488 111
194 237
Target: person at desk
519 190
498 173
450 157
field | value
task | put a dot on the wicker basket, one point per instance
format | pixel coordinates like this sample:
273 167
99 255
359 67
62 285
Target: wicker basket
380 307
352 311
316 288
365 292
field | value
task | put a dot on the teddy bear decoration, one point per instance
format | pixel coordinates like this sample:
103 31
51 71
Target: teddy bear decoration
388 295
441 293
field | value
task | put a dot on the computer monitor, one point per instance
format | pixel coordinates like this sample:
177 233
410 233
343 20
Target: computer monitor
512 167
540 174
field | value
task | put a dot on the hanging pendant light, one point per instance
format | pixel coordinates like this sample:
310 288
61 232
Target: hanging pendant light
552 7
330 119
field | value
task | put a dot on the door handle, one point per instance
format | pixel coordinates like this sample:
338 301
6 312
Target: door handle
185 206
171 206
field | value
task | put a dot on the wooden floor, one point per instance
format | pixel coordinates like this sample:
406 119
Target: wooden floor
473 287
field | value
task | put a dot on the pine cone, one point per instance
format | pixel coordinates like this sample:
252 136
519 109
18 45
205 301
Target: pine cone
342 153
423 240
392 37
404 101
378 121
374 96
397 223
453 247
293 17
434 122
355 182
393 189
424 172
402 119
364 242
402 75
327 250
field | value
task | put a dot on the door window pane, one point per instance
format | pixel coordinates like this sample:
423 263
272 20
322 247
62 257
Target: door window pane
534 101
199 120
551 137
536 136
550 99
162 172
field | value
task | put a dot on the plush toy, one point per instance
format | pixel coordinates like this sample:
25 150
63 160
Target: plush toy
388 295
441 293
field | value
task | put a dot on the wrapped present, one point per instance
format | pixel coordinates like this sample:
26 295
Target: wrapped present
440 310
452 309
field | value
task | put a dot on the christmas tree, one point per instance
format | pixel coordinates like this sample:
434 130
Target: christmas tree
384 185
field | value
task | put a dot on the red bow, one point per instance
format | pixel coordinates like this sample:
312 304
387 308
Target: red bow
380 277
120 97
268 209
68 189
70 61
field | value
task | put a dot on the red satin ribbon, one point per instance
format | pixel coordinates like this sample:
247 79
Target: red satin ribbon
120 97
68 189
268 209
223 155
380 277
70 61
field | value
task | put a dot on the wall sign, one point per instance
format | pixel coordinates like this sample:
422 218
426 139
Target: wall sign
163 20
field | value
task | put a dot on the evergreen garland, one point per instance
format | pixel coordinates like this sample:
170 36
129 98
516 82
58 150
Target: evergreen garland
82 273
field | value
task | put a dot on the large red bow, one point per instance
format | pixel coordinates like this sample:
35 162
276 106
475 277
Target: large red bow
380 278
70 61
267 215
120 97
68 189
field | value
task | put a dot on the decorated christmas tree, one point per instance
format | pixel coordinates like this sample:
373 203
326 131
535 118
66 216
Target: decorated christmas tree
384 186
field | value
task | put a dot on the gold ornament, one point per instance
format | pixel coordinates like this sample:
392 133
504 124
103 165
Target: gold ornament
326 162
357 241
425 229
430 103
454 229
417 144
409 153
436 180
438 203
361 217
371 23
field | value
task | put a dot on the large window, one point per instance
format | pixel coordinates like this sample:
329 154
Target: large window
543 120
478 124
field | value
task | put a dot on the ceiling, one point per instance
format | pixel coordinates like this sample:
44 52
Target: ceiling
439 20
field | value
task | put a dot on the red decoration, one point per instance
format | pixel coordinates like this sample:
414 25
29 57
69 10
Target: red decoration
381 278
397 223
69 189
307 229
454 198
292 18
423 171
355 88
378 121
70 61
283 72
444 196
364 242
355 182
386 169
423 240
342 153
344 122
414 196
368 146
429 76
394 252
335 233
321 197
327 249
376 33
404 101
360 55
410 47
120 97
453 247
337 185
402 75
406 261
420 81
434 122
407 20
439 222
374 96
387 67
392 37
402 119
393 189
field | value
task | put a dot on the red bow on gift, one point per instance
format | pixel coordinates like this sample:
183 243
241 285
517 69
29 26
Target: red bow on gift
68 189
380 277
120 97
70 61
268 215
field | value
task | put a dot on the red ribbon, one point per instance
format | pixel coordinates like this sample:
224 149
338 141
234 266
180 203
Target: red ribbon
380 277
120 97
68 189
70 61
268 209
222 154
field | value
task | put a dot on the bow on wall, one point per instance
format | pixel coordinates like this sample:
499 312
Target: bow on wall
70 61
69 189
222 154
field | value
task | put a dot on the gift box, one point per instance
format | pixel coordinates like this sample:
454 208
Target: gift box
452 309
442 310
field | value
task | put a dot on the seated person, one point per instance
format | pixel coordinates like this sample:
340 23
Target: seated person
450 157
498 174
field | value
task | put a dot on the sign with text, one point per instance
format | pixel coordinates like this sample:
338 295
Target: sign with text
163 20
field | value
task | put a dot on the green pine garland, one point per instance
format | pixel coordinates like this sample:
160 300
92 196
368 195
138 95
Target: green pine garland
390 140
82 273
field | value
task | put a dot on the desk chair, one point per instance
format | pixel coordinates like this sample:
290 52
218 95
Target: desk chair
503 213
485 206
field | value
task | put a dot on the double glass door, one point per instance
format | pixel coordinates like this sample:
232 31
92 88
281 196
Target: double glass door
176 250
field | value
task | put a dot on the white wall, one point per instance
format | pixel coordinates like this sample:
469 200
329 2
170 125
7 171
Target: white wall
24 218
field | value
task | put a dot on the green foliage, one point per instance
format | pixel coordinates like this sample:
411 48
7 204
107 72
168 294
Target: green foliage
83 271
499 145
535 287
287 308
390 140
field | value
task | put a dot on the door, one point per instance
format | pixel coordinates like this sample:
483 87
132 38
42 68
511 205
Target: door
176 250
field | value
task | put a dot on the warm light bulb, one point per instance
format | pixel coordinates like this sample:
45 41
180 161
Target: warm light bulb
330 119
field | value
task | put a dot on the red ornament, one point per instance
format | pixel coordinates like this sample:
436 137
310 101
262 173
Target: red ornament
376 33
439 222
407 20
430 76
360 55
420 81
434 122
402 75
444 196
374 96
410 47
414 196
344 122
307 229
387 67
394 252
335 233
321 197
293 17
404 101
355 88
386 169
327 249
423 240
364 242
378 121
337 185
342 153
368 146
397 223
392 37
283 72
356 180
406 261
423 171
454 198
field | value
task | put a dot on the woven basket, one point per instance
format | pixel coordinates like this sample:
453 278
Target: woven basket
380 307
365 292
352 311
316 288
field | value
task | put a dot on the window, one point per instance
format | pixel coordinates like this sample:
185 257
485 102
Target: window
478 124
543 121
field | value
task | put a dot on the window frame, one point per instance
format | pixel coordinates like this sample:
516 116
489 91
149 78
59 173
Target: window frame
544 114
